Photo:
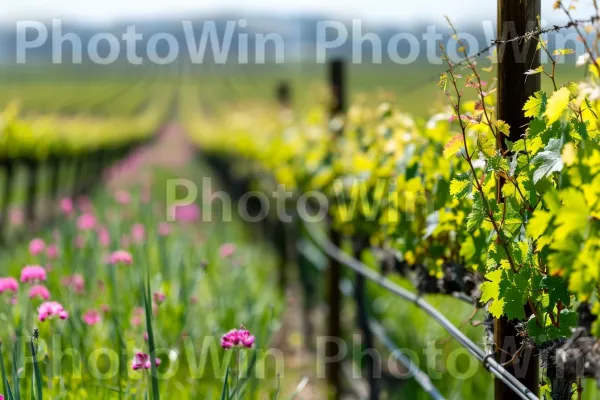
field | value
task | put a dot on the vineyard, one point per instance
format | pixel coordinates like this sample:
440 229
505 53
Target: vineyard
306 238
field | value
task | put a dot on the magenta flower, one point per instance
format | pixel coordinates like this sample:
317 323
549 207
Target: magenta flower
143 361
164 229
237 338
36 247
16 217
9 285
66 206
121 257
123 197
159 298
86 222
227 250
103 236
75 282
84 204
52 251
136 319
80 242
1 397
33 274
187 213
138 232
92 317
39 291
51 309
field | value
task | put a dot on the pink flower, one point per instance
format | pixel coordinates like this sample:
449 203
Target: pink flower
80 242
66 206
39 291
143 361
237 337
138 232
52 251
159 298
91 318
187 213
33 274
75 282
121 257
9 285
51 309
36 246
227 250
84 204
125 241
138 313
164 229
1 397
86 222
123 197
16 217
103 236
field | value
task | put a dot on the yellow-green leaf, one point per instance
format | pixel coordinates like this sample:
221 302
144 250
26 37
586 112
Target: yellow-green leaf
503 127
486 145
453 146
535 105
557 104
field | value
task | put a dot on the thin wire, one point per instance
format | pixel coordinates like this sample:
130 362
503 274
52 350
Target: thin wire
490 363
418 375
496 42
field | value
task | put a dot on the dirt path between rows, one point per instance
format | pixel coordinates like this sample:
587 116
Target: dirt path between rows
172 149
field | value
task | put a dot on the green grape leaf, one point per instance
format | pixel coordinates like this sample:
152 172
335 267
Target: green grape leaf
477 215
557 103
514 292
538 333
536 105
538 224
568 321
557 290
497 308
490 289
573 215
461 186
548 161
579 129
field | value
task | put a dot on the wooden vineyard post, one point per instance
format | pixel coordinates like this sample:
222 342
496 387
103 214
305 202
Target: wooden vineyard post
32 186
53 166
334 326
281 232
515 18
7 187
362 311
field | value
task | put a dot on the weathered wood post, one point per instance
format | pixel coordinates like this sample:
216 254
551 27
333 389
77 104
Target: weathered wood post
334 327
515 18
362 312
32 191
282 232
9 173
